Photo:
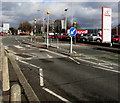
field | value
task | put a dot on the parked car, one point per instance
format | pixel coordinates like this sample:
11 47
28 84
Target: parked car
23 33
78 37
115 38
95 37
61 36
84 37
2 33
51 35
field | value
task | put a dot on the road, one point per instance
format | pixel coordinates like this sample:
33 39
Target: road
57 77
93 51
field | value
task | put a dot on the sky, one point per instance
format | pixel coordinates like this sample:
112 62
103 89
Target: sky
87 13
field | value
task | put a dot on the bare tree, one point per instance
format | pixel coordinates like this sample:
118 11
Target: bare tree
25 26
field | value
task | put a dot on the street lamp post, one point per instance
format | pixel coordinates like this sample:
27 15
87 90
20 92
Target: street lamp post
48 12
74 25
66 21
43 21
35 25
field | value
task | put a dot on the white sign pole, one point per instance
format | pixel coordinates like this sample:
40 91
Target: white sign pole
71 45
72 33
57 43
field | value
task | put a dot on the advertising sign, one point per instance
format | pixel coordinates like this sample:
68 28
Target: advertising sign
6 26
79 31
106 24
0 29
63 24
82 31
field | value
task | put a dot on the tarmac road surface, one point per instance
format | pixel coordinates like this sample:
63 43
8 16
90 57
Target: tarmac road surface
56 77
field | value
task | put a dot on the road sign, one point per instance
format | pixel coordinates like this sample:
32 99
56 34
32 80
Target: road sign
73 31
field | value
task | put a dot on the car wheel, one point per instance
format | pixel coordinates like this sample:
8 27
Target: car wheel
98 40
84 40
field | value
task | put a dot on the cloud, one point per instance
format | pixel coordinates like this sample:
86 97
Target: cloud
60 1
87 14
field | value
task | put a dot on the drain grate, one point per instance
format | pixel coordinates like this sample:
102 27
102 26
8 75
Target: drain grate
24 55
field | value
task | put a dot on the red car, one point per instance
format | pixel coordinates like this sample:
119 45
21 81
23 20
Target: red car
115 38
51 35
1 33
61 36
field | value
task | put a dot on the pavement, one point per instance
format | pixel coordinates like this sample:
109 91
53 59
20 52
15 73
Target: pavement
5 96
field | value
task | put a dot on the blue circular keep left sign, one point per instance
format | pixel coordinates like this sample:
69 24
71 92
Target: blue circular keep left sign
73 31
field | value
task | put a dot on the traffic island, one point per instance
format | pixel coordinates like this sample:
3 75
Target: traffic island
52 48
63 51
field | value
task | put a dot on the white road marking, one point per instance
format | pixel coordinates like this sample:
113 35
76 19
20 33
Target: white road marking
27 45
29 64
107 69
17 40
42 82
105 66
74 52
74 60
56 95
94 63
40 71
17 46
28 58
54 52
41 77
6 47
49 56
106 62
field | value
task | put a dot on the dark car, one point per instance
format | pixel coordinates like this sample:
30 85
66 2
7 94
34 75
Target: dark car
78 36
23 33
84 37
